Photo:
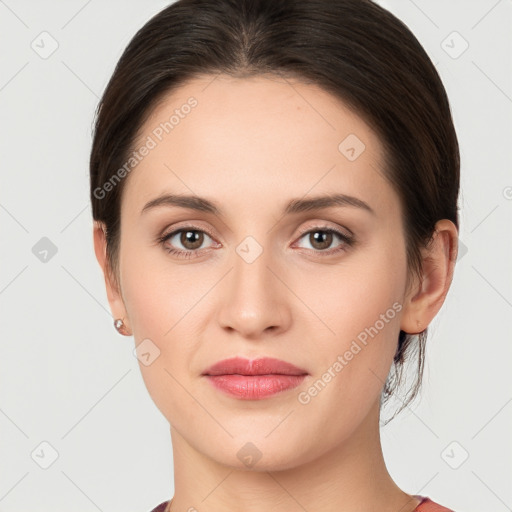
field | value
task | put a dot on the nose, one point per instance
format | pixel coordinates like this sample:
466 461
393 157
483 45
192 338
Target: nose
254 301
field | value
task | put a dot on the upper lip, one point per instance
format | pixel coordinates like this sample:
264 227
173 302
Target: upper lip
261 366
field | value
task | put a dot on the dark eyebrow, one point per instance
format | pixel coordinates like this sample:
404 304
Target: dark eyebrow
294 206
326 201
191 202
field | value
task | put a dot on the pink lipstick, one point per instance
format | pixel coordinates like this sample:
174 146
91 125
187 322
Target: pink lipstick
256 379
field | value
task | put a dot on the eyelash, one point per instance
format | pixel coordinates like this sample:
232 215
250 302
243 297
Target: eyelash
346 239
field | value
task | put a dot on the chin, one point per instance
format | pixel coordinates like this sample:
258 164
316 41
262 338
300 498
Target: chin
261 455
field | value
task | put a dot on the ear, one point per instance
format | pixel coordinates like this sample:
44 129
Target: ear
426 297
114 296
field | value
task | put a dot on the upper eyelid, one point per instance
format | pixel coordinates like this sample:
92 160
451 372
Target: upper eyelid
177 229
326 227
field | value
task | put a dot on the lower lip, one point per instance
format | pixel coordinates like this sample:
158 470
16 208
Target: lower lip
254 387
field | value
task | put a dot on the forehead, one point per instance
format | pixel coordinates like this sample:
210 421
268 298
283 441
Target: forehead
261 135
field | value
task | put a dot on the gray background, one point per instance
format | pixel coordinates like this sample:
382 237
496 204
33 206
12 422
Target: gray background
69 381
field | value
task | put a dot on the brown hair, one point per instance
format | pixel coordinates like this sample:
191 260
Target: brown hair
354 49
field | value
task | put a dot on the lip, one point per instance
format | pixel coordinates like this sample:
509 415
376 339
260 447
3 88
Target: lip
260 366
254 379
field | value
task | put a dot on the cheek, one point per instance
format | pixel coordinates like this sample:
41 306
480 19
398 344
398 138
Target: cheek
166 303
360 308
358 293
157 293
160 302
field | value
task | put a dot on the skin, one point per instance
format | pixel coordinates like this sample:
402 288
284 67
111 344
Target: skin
252 145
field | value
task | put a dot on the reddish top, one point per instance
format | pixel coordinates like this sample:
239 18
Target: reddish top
425 505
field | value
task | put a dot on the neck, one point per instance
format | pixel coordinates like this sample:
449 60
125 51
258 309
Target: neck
351 476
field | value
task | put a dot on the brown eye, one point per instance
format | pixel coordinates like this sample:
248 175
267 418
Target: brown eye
320 239
185 242
191 239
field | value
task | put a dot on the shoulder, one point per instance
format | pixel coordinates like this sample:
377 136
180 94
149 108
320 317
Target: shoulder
427 505
161 507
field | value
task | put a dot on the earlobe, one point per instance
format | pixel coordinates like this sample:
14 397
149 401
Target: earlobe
427 297
114 296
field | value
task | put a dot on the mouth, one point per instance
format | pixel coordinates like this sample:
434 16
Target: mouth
254 380
260 366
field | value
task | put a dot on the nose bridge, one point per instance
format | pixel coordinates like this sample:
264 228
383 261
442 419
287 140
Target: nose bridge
253 300
251 262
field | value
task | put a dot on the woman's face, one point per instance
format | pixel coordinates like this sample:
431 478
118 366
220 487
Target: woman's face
261 277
